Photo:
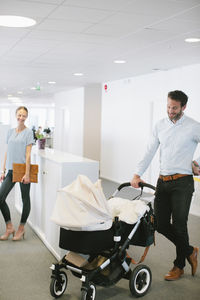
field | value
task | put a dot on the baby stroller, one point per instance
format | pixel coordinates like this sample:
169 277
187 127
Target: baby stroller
107 260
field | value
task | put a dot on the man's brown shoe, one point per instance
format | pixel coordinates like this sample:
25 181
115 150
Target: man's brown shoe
174 274
192 259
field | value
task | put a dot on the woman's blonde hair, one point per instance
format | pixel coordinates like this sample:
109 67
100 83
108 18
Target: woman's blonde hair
22 107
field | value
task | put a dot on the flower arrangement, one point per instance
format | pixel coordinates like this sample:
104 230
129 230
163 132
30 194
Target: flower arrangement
40 138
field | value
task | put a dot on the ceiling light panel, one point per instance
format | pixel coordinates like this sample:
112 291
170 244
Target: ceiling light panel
16 21
192 40
119 61
78 74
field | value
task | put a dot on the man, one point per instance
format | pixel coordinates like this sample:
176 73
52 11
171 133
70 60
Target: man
177 136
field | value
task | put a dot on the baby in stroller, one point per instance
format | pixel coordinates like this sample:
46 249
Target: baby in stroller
102 230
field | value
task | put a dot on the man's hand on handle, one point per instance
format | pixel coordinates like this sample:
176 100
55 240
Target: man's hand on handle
195 168
135 181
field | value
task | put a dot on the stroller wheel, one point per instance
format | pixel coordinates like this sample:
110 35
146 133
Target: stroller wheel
89 294
58 285
140 280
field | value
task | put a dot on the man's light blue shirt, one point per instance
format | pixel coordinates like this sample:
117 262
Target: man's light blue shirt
177 142
17 142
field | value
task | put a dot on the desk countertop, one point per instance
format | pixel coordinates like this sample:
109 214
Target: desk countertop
59 156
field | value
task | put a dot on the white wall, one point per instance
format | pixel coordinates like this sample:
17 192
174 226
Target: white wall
125 122
129 109
68 134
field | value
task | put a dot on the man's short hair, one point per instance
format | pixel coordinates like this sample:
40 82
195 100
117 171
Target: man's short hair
178 96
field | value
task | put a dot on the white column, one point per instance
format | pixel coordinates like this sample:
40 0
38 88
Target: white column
92 121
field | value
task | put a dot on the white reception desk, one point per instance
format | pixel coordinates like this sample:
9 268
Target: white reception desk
56 170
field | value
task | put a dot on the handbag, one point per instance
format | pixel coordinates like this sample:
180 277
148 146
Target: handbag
20 169
144 235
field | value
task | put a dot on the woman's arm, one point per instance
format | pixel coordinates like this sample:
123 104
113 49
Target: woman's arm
26 177
3 172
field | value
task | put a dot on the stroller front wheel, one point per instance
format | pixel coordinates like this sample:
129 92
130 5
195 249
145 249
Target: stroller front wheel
58 285
89 294
140 280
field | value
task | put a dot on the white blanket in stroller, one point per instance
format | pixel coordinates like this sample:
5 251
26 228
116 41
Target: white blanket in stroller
128 211
82 206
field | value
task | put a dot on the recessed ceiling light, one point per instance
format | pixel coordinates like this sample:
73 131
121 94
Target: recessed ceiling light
16 21
33 88
51 82
78 74
9 95
19 92
192 40
14 98
119 61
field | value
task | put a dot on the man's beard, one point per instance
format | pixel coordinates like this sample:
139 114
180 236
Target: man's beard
176 116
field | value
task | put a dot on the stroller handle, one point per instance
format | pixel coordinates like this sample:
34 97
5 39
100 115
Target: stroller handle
141 185
144 184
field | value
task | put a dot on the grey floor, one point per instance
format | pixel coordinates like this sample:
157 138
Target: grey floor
25 273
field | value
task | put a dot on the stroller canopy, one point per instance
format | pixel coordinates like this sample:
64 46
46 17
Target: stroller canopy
82 206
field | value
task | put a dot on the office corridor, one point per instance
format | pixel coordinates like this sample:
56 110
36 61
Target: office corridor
25 273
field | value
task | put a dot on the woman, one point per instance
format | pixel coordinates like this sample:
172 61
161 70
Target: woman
19 147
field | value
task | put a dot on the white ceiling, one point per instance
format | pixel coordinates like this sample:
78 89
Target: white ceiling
87 36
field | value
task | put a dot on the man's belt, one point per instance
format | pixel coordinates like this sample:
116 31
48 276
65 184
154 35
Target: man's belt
172 177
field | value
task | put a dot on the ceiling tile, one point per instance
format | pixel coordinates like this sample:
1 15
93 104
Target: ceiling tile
26 9
161 8
63 25
6 32
103 4
174 27
79 14
109 30
87 35
56 2
35 45
51 35
192 15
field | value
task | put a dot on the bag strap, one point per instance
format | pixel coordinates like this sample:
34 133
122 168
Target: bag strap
142 257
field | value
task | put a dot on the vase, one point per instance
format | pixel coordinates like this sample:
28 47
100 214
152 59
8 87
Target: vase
41 143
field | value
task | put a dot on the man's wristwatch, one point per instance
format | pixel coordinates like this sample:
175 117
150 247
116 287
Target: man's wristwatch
196 165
